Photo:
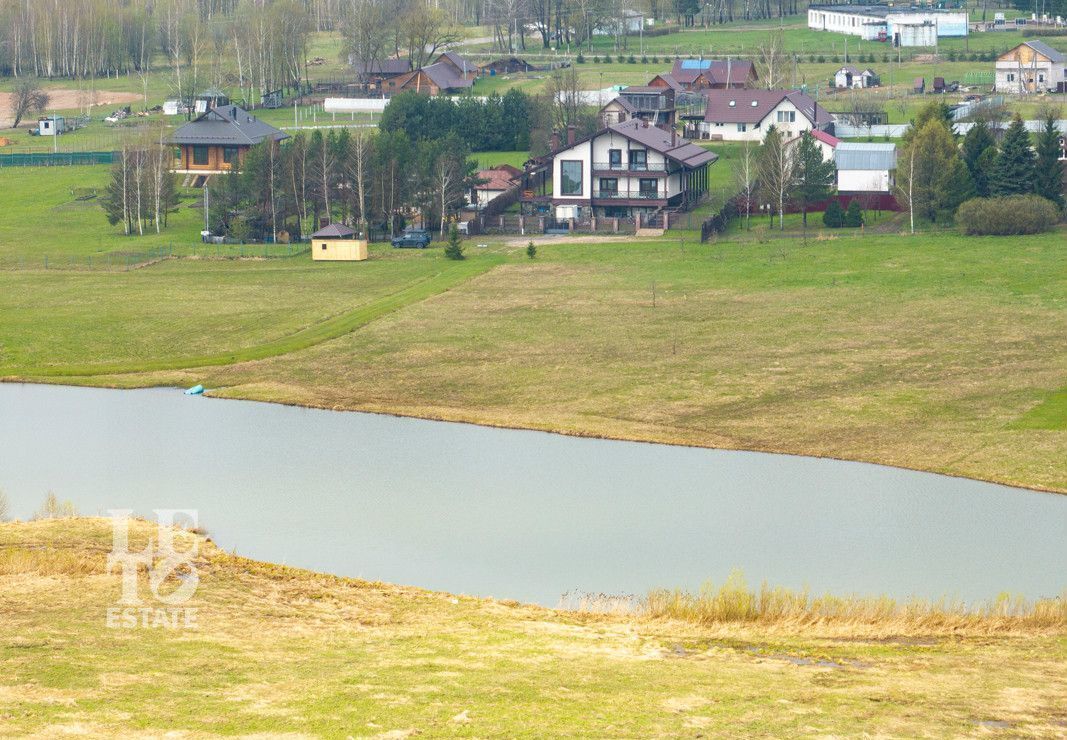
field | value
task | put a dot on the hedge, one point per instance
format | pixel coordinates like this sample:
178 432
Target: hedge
1015 214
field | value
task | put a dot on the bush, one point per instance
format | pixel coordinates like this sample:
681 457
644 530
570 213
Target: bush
531 250
820 59
596 60
853 214
835 59
580 59
631 59
655 60
885 59
1015 214
644 60
454 250
833 217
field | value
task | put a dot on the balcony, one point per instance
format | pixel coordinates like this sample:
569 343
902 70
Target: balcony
628 195
653 167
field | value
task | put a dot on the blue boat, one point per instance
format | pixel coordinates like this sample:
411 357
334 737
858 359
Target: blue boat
196 390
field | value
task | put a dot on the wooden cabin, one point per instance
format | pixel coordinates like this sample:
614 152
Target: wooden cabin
218 140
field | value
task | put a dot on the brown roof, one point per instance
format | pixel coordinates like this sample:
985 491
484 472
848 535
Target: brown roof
440 74
334 231
674 147
668 78
385 67
717 71
495 179
455 60
752 106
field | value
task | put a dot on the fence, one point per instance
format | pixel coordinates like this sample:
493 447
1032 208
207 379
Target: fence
55 159
717 224
123 261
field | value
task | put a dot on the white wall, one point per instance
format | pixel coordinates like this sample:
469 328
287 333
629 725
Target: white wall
1052 73
756 132
864 181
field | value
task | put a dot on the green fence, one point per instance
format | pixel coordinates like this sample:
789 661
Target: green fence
55 159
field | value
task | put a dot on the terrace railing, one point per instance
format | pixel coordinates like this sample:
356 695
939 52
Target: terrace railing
629 194
630 166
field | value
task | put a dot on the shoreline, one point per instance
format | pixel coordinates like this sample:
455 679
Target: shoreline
213 394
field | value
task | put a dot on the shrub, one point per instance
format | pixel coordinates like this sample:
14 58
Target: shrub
833 217
885 59
454 250
835 59
1015 214
853 214
631 59
55 509
644 60
596 60
655 60
820 59
580 59
531 250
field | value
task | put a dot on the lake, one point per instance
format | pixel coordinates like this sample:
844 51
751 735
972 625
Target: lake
518 514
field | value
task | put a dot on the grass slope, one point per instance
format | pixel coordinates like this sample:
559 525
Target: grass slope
279 650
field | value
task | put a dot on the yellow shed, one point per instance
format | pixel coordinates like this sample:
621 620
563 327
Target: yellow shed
337 242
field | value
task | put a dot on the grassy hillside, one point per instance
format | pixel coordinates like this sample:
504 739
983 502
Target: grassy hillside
935 352
279 650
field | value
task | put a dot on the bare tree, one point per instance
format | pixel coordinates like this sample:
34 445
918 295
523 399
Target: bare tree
29 99
745 179
906 184
360 158
425 31
564 91
776 171
772 63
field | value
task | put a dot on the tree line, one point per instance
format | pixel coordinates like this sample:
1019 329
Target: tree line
498 123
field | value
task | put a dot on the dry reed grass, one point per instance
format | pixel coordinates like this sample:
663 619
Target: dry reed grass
50 562
735 603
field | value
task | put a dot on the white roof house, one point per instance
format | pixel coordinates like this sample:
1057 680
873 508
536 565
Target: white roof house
1031 67
865 167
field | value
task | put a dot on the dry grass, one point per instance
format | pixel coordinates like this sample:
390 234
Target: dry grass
284 651
734 602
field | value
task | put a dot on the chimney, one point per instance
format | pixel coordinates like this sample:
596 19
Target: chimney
554 144
674 137
570 135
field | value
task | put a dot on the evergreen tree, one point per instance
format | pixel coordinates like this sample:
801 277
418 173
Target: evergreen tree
979 148
1048 169
1013 169
813 176
454 250
928 176
531 250
956 187
936 110
833 217
853 214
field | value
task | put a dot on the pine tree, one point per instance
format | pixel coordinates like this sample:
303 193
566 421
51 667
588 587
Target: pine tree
956 186
853 214
1013 169
531 250
813 176
833 217
1048 169
454 250
979 147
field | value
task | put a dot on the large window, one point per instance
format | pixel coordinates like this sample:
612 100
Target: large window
615 158
647 186
200 155
229 154
787 116
570 176
609 185
638 159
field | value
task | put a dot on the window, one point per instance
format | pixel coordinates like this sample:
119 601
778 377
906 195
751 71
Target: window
615 158
787 116
229 154
609 185
570 176
647 186
638 159
742 127
200 155
1011 77
324 246
1041 78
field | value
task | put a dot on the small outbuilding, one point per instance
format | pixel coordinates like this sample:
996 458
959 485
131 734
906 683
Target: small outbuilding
849 77
338 243
51 125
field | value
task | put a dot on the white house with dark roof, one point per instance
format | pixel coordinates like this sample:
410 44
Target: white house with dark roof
1032 66
745 115
626 170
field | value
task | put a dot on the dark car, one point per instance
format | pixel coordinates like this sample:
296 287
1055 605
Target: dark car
413 238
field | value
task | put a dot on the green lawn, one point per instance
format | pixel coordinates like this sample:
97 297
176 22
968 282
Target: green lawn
488 160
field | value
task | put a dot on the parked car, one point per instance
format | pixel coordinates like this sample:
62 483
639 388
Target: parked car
413 238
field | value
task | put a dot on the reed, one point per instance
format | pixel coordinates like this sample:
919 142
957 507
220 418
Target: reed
734 602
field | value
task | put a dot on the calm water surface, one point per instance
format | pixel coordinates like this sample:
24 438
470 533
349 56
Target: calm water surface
522 515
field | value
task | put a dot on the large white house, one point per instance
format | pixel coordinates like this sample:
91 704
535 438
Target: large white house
745 115
1031 67
901 26
626 170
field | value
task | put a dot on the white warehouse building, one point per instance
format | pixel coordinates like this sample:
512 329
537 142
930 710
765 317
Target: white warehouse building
900 26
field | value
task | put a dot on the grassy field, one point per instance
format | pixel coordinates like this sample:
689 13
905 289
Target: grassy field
279 650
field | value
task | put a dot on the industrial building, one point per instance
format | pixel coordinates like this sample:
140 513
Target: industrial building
900 26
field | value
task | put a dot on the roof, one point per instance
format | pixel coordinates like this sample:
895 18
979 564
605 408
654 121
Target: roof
334 231
716 71
865 156
623 103
495 179
825 138
1045 50
848 68
752 106
226 125
385 67
668 78
452 58
443 75
672 146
